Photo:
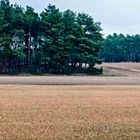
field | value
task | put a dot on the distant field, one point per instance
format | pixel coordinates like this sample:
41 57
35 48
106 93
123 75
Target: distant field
70 80
121 69
114 74
70 112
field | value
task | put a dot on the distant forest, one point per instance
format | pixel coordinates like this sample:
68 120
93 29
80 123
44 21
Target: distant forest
120 48
58 42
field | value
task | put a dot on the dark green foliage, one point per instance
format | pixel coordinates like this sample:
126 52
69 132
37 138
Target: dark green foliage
120 48
52 42
72 42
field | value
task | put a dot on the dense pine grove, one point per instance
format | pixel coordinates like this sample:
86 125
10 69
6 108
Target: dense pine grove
58 42
120 48
51 42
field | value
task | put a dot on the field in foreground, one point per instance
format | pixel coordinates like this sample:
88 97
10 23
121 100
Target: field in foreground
70 112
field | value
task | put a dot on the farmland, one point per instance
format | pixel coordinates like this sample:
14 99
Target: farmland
103 107
114 74
66 76
122 69
70 112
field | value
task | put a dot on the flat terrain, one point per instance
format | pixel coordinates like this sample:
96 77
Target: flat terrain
69 112
121 69
70 80
114 74
81 108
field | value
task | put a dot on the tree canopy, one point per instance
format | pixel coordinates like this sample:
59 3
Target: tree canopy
121 48
51 42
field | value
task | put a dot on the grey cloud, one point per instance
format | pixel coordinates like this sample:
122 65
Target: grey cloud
121 16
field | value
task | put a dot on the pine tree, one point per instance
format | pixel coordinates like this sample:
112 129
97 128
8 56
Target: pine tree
53 41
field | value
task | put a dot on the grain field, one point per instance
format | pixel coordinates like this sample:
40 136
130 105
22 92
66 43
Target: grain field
69 112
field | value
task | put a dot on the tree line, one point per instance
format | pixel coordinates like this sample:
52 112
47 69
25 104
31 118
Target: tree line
51 42
121 48
58 42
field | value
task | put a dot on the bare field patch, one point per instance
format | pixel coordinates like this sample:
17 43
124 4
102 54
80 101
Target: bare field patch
70 80
121 69
70 112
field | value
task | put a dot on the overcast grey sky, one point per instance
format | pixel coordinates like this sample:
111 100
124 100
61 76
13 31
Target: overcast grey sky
120 16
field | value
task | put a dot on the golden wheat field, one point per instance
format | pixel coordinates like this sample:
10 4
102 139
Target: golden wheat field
69 112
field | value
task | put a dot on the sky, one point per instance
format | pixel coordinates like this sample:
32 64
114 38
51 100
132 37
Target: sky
116 16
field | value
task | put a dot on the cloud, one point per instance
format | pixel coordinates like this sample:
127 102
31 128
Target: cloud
115 15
